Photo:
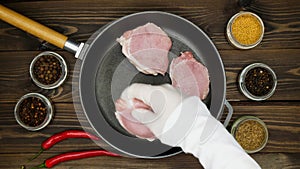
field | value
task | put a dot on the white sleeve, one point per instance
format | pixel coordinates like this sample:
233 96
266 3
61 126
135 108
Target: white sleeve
208 140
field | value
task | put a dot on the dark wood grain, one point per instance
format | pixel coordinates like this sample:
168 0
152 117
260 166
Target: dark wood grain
280 49
283 121
286 64
266 161
79 19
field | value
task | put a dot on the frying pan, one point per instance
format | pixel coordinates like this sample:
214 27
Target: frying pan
105 72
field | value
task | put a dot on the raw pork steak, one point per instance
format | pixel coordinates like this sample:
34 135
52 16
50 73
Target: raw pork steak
127 121
147 48
190 76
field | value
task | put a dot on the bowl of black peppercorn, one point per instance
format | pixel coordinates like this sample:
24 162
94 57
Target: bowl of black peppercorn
33 111
48 70
257 81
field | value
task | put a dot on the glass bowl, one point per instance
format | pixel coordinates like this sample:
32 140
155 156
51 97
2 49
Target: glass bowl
231 38
243 119
242 83
63 66
49 111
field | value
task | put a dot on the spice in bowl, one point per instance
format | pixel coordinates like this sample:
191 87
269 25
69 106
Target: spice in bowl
48 70
251 133
33 111
245 30
257 81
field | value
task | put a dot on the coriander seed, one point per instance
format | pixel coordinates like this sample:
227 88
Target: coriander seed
251 133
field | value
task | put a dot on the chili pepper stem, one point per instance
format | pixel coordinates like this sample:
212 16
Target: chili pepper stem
35 156
43 165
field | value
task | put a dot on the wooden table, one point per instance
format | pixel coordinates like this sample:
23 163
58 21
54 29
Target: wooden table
79 19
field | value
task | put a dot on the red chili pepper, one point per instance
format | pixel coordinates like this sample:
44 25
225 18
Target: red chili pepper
58 137
49 163
51 141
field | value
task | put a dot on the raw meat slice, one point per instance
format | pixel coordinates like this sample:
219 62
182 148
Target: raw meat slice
127 121
190 76
147 48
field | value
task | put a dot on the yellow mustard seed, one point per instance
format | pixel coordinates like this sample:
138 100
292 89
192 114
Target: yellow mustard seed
246 29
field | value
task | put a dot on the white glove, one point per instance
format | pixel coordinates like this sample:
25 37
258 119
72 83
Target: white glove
186 122
162 99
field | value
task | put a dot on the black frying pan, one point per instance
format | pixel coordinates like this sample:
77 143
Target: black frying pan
105 73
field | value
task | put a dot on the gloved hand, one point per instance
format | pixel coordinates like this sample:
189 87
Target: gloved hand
185 122
162 99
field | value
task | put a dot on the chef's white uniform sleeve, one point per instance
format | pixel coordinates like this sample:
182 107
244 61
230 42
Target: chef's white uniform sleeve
206 138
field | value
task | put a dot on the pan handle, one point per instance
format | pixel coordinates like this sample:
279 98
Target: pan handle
230 112
37 29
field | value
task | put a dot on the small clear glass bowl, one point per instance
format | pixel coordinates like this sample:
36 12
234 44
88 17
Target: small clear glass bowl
231 38
243 87
48 116
63 65
243 119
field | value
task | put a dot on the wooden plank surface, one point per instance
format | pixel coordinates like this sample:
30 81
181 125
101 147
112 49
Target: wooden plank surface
282 119
79 19
280 49
266 161
17 144
16 75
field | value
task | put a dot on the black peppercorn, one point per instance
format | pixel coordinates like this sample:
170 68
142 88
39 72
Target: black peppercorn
259 81
47 69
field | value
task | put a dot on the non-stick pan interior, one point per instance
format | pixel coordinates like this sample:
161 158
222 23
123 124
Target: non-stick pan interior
105 73
115 73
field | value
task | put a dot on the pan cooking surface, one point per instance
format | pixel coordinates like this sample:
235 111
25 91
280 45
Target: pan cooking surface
115 73
105 73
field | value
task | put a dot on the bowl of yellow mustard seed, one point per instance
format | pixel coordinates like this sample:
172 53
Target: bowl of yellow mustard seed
245 30
251 133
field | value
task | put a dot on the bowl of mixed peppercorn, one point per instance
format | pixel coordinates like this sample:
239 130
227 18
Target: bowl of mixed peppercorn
33 111
257 81
48 70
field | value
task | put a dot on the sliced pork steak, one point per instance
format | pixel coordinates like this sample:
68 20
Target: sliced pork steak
128 122
147 48
190 76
